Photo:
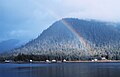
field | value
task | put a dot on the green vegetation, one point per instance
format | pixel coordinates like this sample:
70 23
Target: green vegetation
59 42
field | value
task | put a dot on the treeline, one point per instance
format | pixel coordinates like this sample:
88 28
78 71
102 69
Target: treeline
27 58
23 57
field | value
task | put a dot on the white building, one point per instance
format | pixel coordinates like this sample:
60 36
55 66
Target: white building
31 61
64 60
47 61
8 61
95 59
103 58
54 61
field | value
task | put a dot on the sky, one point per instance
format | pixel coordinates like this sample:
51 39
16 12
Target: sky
26 19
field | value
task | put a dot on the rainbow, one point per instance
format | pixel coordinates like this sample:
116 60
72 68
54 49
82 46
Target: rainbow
69 26
78 35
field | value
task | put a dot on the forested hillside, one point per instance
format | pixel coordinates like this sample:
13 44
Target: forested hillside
75 39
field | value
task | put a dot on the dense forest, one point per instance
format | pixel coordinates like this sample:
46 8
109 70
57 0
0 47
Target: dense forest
66 39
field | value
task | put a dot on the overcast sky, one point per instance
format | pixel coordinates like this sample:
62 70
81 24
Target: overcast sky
26 19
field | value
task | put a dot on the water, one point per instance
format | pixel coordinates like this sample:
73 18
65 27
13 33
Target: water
61 70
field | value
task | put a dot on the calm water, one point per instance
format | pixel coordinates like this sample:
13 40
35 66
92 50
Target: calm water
61 70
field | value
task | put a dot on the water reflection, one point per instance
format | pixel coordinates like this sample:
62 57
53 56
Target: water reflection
62 70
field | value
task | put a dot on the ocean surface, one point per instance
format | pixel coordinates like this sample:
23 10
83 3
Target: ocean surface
60 70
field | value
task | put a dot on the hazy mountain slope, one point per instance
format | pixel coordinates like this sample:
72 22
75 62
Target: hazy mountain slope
7 45
58 39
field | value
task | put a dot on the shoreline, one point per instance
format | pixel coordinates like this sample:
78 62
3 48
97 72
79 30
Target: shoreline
99 61
44 62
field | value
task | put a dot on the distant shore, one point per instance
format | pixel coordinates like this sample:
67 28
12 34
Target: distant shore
97 61
80 61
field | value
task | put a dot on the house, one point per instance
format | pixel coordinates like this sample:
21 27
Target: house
8 61
54 61
47 61
95 59
30 60
64 60
103 58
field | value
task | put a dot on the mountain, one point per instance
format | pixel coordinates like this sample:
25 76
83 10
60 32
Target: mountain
73 38
7 45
